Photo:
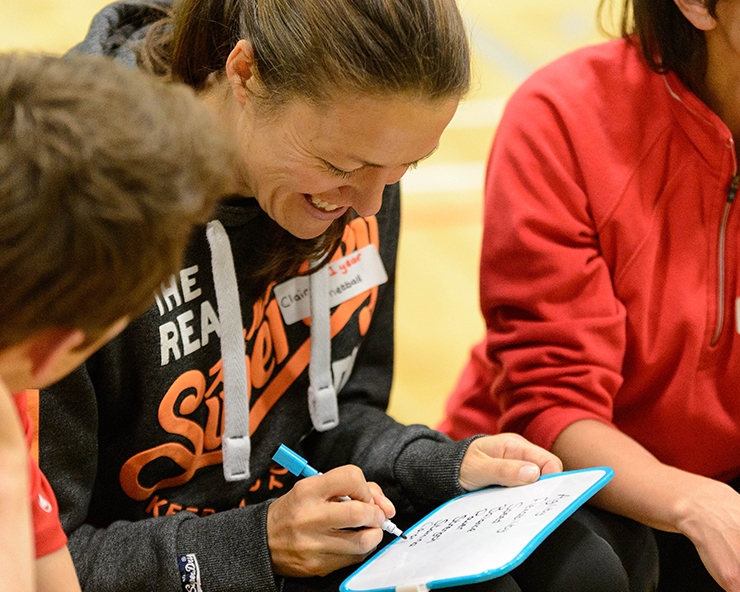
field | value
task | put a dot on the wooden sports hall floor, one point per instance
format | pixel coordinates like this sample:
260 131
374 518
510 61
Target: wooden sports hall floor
437 311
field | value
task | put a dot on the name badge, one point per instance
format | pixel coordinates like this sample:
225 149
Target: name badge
348 277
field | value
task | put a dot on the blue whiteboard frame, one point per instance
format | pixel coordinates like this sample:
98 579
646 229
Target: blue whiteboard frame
562 515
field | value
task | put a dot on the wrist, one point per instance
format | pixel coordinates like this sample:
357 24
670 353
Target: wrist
693 502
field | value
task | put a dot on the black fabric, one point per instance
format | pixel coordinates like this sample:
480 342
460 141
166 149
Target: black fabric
632 542
332 582
572 559
681 568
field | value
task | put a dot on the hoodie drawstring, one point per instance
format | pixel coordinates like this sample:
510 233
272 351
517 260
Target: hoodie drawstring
236 445
322 396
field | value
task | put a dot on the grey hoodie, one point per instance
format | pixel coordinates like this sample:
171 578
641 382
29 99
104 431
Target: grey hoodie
132 441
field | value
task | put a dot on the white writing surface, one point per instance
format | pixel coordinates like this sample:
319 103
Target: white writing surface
478 536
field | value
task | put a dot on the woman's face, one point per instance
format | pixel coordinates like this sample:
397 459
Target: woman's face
722 34
724 31
308 164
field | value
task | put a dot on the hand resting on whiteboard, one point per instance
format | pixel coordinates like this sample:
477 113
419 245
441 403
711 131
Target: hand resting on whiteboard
310 533
505 459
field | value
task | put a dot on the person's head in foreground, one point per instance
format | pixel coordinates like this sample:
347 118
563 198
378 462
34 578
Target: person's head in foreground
103 173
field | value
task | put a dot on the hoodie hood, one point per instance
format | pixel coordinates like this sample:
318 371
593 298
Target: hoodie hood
119 27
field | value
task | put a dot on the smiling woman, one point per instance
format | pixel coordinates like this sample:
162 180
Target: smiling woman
441 213
253 59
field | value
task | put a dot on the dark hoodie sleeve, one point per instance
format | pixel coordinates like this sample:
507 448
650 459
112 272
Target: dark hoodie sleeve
417 468
142 556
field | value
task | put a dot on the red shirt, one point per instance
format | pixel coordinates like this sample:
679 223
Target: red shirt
610 272
48 532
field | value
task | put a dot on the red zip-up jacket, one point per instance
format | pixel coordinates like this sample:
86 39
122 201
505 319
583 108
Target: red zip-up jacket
609 272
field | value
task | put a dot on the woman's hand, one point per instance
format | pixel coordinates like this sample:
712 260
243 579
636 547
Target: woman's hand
505 459
311 533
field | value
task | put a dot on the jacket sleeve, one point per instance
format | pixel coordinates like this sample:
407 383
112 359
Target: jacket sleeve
555 328
140 556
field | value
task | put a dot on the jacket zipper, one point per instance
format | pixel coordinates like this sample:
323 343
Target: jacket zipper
731 194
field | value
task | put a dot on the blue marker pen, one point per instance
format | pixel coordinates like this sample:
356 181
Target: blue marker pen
299 467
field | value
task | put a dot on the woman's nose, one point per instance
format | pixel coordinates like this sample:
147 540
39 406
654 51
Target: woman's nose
366 201
367 192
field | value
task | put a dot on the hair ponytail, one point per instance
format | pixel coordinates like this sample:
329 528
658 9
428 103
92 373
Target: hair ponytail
193 40
312 49
204 34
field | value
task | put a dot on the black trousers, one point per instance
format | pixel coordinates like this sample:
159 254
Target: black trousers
593 551
681 568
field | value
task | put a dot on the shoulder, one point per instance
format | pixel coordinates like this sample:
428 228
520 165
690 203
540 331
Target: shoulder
117 28
596 102
592 81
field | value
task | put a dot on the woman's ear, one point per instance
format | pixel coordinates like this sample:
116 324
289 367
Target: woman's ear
697 13
239 69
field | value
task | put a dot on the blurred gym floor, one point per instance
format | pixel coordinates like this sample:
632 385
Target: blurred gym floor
437 316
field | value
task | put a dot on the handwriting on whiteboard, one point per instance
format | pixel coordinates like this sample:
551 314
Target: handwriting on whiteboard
500 519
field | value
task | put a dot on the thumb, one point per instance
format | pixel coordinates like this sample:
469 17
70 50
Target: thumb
500 471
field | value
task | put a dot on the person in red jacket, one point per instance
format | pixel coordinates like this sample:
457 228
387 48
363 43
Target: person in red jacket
610 283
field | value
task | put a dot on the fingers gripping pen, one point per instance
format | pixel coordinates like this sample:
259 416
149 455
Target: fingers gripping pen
299 466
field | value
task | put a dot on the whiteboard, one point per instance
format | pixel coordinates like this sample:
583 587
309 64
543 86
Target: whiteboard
477 536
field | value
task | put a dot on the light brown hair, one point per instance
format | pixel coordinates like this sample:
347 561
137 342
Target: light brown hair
103 173
313 50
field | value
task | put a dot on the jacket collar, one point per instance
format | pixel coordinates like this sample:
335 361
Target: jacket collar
706 131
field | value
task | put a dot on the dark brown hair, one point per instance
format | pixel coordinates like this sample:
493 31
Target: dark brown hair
313 50
669 42
103 173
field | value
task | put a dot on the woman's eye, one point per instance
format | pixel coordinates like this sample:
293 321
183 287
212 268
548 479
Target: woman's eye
338 172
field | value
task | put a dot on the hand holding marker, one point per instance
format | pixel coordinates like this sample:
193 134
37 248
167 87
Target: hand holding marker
299 467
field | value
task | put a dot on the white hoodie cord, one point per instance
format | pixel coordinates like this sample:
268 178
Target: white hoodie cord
322 397
236 446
